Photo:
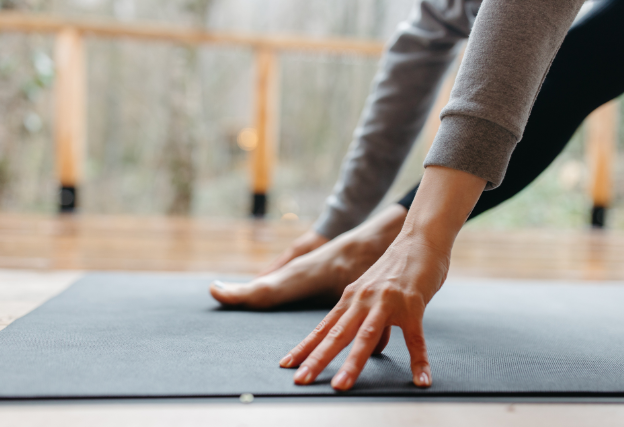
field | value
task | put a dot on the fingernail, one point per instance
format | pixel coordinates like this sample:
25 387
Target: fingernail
342 381
219 284
423 380
286 361
303 375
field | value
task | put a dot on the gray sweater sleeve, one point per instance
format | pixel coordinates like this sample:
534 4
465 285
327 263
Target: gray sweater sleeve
509 52
401 98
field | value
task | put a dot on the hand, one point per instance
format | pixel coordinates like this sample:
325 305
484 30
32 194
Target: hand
396 289
302 245
394 292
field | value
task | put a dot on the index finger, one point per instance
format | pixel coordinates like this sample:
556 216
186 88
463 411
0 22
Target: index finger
305 347
366 341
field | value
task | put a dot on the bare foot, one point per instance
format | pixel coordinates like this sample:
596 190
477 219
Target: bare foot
301 246
322 273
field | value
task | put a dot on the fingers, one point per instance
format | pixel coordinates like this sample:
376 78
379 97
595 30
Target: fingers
298 354
367 340
338 337
383 341
419 361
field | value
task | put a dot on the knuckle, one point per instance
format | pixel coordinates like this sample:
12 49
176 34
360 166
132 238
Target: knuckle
416 341
350 367
319 328
336 332
367 332
417 301
414 304
366 292
300 348
342 305
389 291
313 361
349 291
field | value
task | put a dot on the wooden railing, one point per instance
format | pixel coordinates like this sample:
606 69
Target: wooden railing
71 97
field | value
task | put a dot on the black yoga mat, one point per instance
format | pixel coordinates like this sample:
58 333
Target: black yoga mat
127 335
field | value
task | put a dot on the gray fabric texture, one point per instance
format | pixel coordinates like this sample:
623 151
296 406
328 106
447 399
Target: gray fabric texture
509 52
486 147
401 97
506 61
128 335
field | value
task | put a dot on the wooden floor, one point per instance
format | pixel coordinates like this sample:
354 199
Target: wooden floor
41 256
245 246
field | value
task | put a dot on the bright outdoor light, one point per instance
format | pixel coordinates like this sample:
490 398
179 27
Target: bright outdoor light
247 139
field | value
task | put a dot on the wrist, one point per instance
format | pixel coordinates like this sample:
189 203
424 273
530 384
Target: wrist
443 203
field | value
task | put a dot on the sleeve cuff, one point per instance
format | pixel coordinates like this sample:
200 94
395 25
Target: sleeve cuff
473 145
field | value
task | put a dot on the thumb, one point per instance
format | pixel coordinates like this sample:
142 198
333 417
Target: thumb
419 361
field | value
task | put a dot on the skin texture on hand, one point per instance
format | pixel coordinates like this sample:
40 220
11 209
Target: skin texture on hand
304 244
396 289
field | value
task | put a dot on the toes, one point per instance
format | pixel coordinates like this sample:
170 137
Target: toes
253 295
224 293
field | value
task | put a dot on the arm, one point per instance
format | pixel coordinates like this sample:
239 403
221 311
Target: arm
396 110
396 289
494 93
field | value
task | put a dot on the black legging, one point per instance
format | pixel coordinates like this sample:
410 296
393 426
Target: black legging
587 72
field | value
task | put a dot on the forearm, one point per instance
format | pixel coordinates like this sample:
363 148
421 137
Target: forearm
509 52
401 97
